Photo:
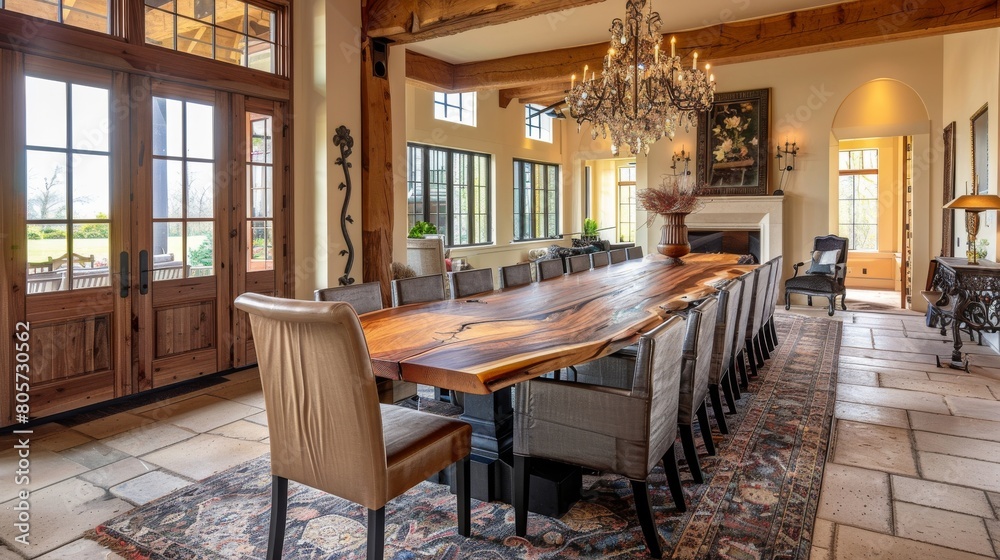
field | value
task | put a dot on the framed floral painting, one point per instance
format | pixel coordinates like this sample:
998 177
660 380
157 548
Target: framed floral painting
733 144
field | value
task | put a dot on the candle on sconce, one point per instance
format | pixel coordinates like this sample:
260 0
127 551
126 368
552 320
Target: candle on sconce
673 47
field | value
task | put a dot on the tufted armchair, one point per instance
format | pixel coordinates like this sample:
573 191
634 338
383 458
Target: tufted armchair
825 275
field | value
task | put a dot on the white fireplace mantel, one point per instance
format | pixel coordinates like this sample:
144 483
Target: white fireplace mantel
744 213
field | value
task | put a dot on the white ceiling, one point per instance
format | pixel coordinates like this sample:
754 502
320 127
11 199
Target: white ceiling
590 24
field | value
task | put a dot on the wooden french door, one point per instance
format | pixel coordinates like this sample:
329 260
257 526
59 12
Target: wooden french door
180 196
71 194
137 210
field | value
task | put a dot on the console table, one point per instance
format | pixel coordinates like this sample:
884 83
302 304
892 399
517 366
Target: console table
975 289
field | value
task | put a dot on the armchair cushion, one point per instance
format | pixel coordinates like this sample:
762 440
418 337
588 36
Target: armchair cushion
823 262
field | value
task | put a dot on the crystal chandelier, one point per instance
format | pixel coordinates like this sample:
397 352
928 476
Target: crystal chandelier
641 95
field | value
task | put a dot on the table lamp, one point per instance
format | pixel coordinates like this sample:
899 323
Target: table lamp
973 204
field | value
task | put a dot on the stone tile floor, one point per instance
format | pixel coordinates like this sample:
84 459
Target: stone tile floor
913 471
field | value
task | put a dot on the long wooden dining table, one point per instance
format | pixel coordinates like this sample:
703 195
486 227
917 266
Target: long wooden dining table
484 345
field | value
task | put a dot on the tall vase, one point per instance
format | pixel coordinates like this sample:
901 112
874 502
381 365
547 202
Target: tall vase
674 237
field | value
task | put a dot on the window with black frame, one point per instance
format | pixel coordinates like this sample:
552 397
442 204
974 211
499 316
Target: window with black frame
536 200
452 190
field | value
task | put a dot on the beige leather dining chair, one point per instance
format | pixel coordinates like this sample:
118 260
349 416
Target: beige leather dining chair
698 342
515 275
626 432
327 429
418 289
466 283
549 268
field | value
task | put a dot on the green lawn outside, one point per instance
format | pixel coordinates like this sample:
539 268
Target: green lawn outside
40 250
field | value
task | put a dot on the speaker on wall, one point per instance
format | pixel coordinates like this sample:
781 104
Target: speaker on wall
380 58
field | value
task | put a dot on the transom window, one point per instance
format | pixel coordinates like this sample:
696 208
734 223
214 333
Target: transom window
87 14
859 198
455 107
536 200
537 125
452 190
69 185
227 30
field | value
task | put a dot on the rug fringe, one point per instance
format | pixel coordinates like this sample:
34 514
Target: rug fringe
116 545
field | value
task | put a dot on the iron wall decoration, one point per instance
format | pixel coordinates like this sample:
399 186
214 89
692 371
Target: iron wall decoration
948 218
345 142
733 144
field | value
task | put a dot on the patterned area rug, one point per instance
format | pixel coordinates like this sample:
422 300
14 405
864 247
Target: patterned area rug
758 501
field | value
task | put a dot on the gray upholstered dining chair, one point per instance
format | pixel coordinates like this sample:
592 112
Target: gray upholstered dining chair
577 263
766 344
327 428
698 342
549 268
722 354
754 353
742 323
515 275
365 298
470 282
618 255
600 259
622 431
771 335
633 253
418 289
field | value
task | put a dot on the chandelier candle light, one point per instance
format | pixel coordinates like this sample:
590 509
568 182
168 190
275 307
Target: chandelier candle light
640 95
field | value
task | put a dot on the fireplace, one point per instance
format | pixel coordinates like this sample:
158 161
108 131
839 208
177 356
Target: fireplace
758 217
737 242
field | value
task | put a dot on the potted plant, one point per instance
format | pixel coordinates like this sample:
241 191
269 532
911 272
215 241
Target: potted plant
421 230
590 233
674 198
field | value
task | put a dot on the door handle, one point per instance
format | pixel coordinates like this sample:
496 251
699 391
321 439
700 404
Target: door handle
123 274
143 272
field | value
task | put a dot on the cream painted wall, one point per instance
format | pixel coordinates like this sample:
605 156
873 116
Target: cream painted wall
971 78
500 133
325 49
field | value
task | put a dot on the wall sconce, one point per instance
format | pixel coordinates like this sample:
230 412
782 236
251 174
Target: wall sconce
681 156
788 153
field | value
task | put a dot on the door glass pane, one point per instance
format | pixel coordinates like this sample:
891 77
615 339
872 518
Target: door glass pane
91 250
261 248
90 118
200 248
45 115
46 244
46 185
168 191
200 128
167 127
91 187
168 251
200 190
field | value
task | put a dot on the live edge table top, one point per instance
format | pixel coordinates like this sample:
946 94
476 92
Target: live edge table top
496 339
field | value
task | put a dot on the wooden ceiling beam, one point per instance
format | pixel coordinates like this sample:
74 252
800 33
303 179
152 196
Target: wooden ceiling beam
406 21
848 24
537 94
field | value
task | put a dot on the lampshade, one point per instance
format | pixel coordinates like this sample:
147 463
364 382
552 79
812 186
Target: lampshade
975 202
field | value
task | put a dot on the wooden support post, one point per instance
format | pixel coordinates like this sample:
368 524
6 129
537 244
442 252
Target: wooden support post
376 176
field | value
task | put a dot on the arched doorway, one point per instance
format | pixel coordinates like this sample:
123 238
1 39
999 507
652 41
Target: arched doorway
875 186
